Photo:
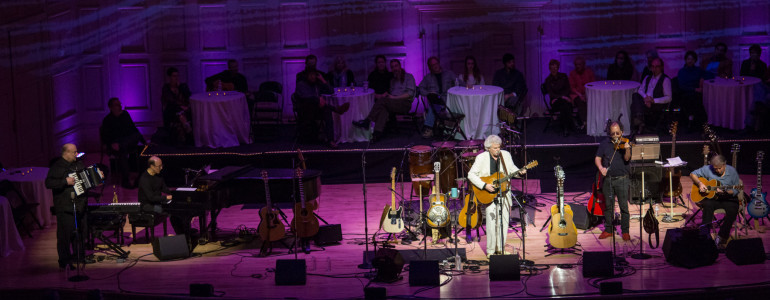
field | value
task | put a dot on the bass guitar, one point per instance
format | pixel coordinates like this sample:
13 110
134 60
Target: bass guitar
758 207
438 214
711 189
392 222
270 227
675 188
596 203
498 181
562 232
305 223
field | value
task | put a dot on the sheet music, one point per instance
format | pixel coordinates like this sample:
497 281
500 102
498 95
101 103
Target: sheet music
674 162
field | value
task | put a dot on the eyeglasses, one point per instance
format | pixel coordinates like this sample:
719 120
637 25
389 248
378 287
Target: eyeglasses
615 133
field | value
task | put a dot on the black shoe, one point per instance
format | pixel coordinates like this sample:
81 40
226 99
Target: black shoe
363 124
376 137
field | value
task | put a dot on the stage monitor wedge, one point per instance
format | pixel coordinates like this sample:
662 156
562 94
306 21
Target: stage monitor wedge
290 272
504 268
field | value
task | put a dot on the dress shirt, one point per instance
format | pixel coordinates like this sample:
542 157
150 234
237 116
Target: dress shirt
647 90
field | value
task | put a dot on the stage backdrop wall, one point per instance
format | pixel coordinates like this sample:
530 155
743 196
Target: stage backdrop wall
61 60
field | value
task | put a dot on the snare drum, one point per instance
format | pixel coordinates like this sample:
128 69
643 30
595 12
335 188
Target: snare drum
420 164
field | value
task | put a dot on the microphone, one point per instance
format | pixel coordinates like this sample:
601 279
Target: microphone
72 196
80 154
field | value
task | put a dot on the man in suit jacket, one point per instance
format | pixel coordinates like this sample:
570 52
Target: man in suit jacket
488 163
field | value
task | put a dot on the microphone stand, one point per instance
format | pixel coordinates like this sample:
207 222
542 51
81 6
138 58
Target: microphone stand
500 199
295 187
80 264
366 264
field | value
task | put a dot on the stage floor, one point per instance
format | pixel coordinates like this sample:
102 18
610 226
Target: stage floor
237 272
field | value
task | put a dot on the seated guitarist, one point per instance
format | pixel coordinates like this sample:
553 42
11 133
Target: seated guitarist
726 199
488 163
612 158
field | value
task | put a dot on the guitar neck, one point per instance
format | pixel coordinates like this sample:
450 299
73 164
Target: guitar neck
301 192
759 178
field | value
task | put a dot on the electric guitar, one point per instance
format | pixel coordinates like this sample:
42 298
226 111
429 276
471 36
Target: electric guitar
562 232
711 189
758 207
675 190
304 224
438 214
392 223
498 181
270 227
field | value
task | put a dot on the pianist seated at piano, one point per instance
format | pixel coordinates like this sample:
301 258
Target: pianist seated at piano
65 201
151 196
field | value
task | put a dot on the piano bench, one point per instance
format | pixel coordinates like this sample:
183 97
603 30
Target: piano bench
148 221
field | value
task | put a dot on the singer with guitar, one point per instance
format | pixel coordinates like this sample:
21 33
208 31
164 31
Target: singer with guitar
62 186
612 160
487 163
726 198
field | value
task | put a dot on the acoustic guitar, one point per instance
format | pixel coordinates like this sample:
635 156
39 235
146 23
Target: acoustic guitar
305 223
711 189
392 222
270 227
498 181
596 203
438 214
469 215
675 188
562 232
758 207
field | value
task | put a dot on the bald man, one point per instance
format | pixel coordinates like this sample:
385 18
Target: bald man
68 243
153 193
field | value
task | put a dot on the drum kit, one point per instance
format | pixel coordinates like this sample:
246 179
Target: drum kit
456 159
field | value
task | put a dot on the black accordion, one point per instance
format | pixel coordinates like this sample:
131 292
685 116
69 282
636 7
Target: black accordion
87 179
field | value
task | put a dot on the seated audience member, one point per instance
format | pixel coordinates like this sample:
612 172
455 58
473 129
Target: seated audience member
558 88
472 75
398 101
379 79
651 54
690 87
229 79
718 64
311 106
513 84
652 97
311 63
175 101
340 75
759 108
577 82
120 135
438 81
622 68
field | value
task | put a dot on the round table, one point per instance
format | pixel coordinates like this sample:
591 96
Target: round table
220 119
361 101
30 182
9 236
727 101
479 105
608 99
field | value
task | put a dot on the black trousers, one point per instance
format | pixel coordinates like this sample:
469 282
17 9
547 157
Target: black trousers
69 242
612 187
731 213
308 113
692 105
564 108
643 115
126 145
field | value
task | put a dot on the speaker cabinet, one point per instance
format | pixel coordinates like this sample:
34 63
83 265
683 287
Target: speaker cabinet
504 268
170 247
290 272
597 264
652 177
328 235
580 216
423 272
689 248
746 251
389 264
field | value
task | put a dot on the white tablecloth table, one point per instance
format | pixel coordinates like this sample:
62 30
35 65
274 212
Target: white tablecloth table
361 102
9 236
479 105
220 119
608 99
727 101
30 182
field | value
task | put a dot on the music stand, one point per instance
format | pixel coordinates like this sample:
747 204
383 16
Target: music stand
670 217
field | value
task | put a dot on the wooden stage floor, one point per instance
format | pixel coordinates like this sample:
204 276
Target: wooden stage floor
237 272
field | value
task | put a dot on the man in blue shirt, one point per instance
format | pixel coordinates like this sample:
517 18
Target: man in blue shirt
726 199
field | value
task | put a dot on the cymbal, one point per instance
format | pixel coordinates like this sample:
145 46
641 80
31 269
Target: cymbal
445 144
470 143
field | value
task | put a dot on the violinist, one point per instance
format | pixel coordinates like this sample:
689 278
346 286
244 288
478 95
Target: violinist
612 160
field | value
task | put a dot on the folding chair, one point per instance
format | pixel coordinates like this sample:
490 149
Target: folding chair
446 119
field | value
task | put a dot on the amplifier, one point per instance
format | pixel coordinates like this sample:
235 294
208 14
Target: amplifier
645 152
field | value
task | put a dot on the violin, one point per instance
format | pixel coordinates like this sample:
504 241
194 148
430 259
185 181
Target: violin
620 142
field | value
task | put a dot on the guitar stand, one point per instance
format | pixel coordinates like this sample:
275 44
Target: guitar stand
552 250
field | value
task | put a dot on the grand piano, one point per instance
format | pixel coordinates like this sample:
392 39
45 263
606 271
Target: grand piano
236 185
